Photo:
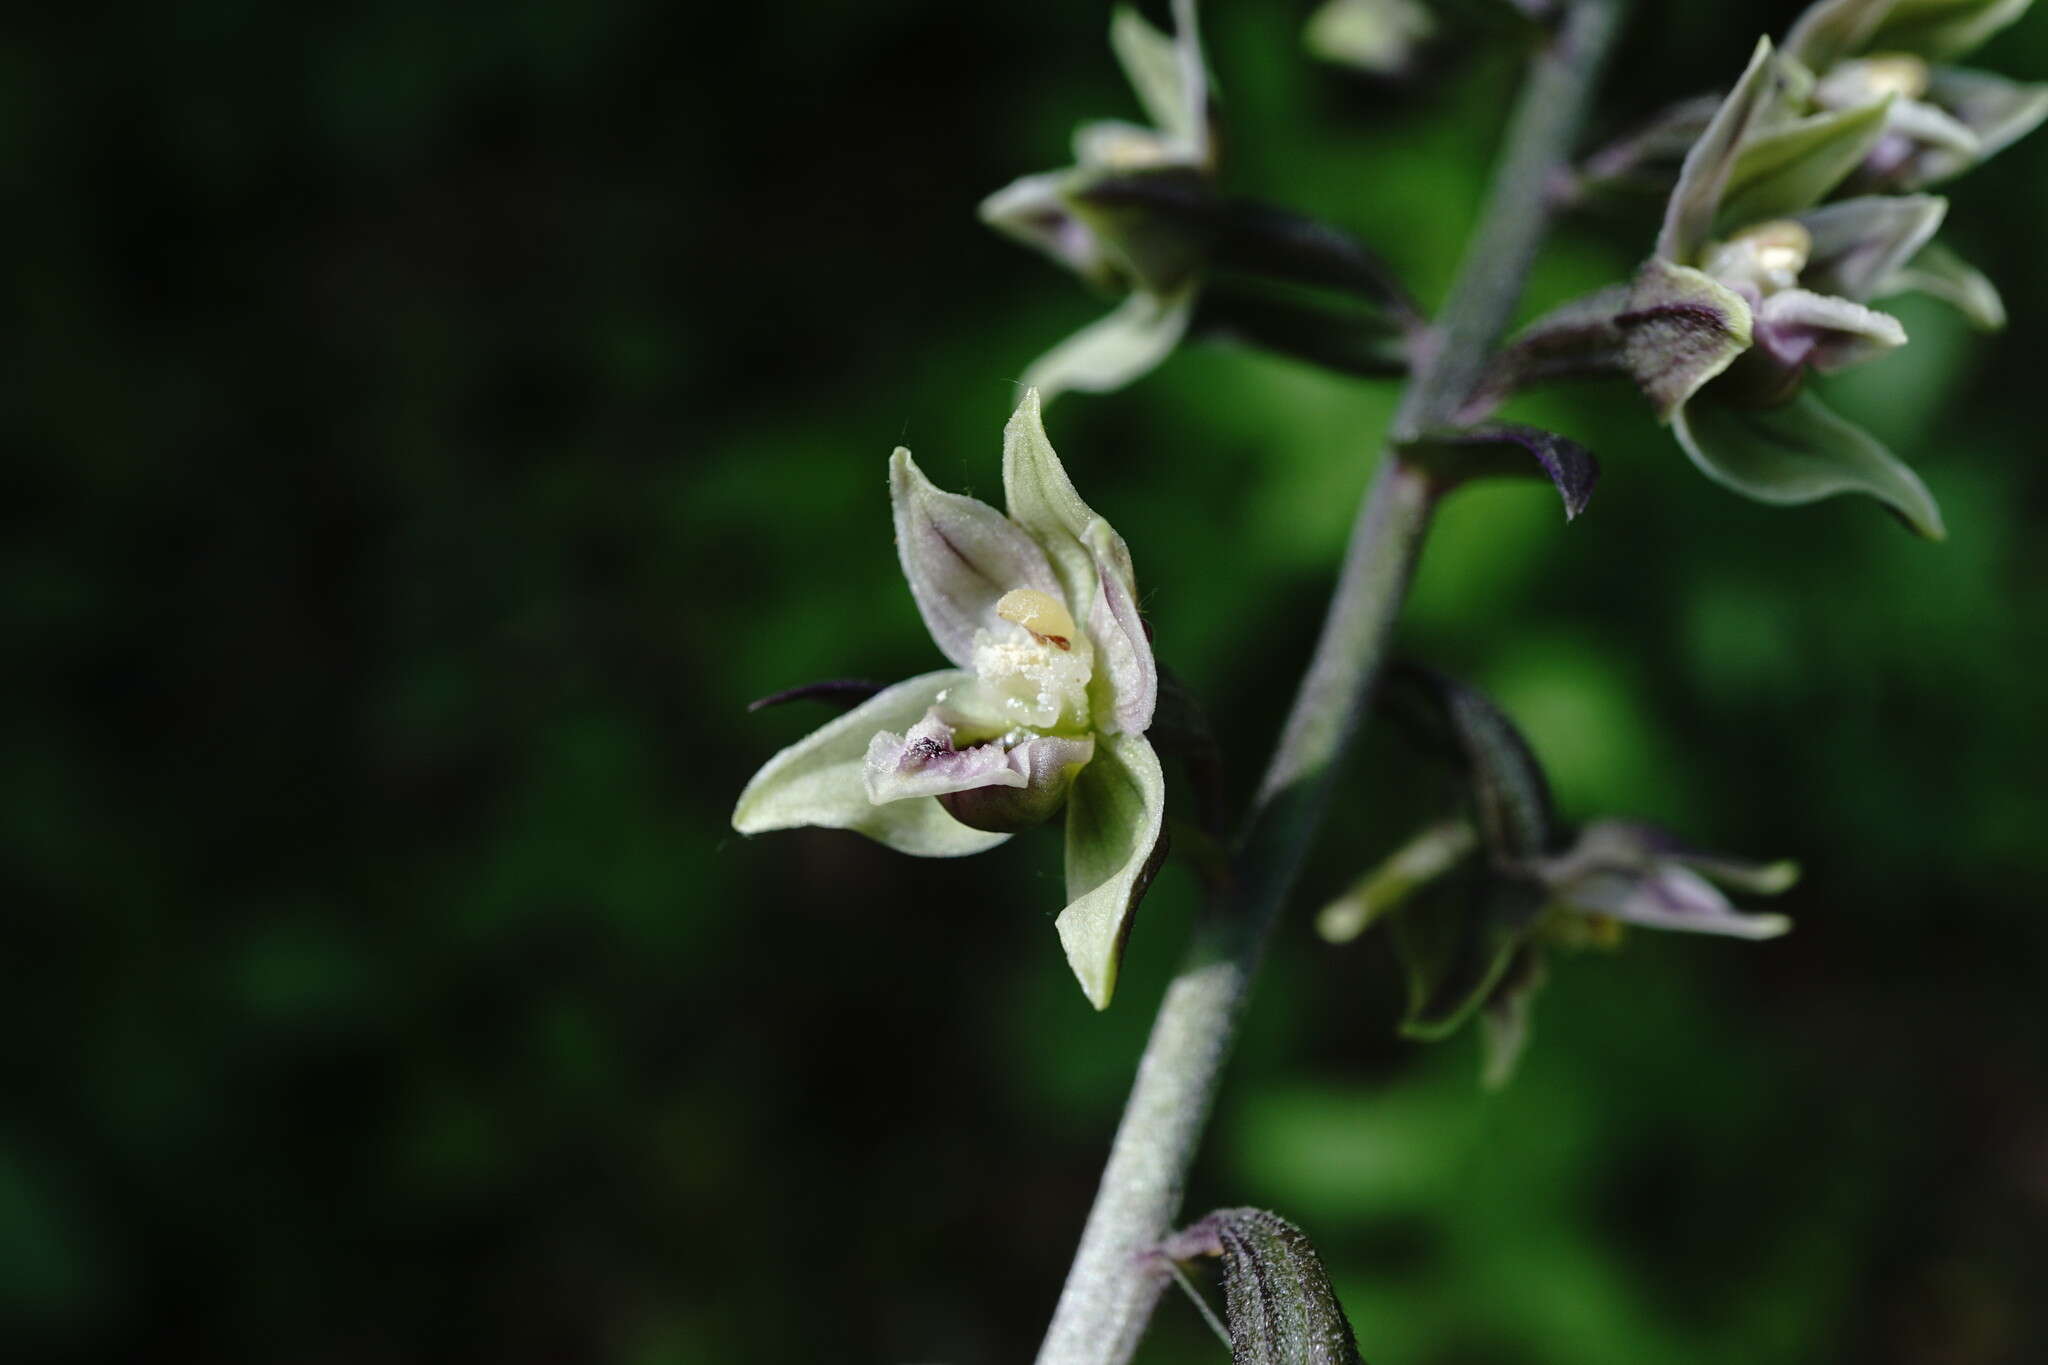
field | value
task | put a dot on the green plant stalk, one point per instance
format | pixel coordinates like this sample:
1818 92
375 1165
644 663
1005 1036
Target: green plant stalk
1115 1279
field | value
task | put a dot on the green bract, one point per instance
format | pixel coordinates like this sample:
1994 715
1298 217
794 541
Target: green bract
1047 705
1277 1295
1093 218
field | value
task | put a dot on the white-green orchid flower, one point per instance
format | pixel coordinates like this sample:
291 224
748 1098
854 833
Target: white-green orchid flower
1758 284
1942 119
1471 931
1082 218
1051 692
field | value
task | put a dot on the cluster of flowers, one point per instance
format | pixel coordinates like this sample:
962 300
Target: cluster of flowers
1799 202
1800 198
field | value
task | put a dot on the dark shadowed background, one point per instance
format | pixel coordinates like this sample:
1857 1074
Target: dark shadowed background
429 425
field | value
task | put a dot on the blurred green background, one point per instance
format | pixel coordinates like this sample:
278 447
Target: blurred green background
429 426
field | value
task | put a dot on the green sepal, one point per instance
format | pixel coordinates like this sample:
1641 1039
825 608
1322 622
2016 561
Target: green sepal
819 780
1800 452
1794 166
1115 350
1940 273
1404 872
1858 243
1695 203
1116 839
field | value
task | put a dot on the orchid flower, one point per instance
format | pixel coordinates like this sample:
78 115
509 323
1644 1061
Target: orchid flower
1943 119
1471 933
1092 218
1046 705
1756 285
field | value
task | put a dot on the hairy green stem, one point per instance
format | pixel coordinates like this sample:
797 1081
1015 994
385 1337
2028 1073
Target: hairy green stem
1115 1280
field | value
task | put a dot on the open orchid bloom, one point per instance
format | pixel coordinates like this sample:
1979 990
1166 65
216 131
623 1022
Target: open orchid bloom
1943 119
1842 59
1095 216
1047 703
1758 284
1471 931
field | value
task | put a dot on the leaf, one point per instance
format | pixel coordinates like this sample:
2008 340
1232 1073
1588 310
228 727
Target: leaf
1695 202
1793 167
1116 838
1858 243
1800 452
1510 450
960 555
819 780
1277 1295
1680 330
1112 352
1939 273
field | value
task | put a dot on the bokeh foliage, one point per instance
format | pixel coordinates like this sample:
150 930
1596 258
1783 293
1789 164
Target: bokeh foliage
429 426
